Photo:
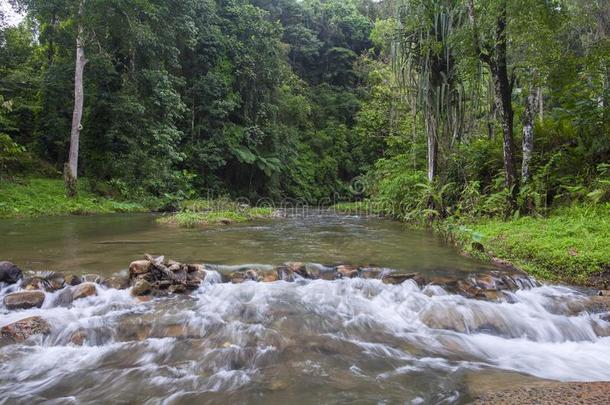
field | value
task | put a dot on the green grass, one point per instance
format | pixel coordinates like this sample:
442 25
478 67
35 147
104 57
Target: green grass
570 245
203 212
41 197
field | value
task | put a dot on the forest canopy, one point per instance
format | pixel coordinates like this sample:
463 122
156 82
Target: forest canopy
471 107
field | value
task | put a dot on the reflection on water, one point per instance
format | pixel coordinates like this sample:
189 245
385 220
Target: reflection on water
355 341
106 244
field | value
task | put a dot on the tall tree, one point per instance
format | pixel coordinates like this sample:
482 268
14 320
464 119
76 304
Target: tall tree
491 47
71 168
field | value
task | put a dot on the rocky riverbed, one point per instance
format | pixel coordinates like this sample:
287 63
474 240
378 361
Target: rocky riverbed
350 327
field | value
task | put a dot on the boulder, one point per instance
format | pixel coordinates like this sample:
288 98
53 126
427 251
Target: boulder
72 279
24 300
269 276
139 267
9 273
79 337
141 287
84 290
116 282
345 271
21 330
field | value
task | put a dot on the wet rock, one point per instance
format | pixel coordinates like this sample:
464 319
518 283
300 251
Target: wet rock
398 278
9 273
195 268
79 337
24 300
141 287
33 283
25 328
236 277
600 303
139 267
84 290
285 274
116 282
72 279
177 289
54 281
346 271
369 273
269 276
298 268
63 299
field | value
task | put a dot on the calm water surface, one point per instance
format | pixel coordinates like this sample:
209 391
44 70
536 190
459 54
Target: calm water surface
107 244
349 341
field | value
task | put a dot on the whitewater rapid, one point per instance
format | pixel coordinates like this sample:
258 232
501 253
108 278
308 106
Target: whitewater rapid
309 338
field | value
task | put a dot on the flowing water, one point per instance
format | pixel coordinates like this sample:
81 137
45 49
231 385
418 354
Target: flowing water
348 341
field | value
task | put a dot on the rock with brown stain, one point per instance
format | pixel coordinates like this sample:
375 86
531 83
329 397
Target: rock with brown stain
24 329
84 290
139 267
24 300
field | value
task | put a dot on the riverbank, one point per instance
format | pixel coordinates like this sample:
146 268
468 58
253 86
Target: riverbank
571 245
36 197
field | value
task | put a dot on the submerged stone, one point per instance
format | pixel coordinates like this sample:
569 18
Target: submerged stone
24 300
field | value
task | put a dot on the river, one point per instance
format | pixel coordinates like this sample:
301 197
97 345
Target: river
348 341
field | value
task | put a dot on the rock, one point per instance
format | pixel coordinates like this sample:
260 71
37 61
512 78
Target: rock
33 283
116 282
25 328
600 303
72 279
285 274
9 273
141 287
48 281
139 267
269 276
345 271
24 300
486 281
369 272
298 268
63 299
84 290
177 289
79 337
398 278
195 268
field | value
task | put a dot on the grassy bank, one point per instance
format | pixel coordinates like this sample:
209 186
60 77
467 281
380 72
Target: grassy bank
196 213
572 245
39 197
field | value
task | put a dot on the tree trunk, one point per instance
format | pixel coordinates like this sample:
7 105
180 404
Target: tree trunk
71 169
528 136
495 57
432 148
503 89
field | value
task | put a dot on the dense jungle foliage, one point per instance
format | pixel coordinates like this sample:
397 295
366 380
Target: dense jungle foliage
466 108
